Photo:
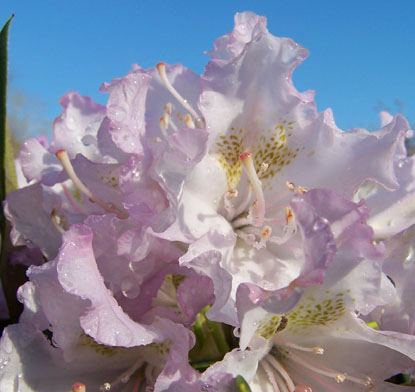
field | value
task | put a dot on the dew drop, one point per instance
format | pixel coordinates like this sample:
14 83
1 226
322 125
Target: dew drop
117 113
130 288
8 346
288 54
318 225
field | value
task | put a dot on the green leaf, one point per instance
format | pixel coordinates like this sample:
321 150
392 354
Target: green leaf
11 276
8 180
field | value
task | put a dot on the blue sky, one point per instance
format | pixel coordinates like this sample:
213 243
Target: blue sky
362 53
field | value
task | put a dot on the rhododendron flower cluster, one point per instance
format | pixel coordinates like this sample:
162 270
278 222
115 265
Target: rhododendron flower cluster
213 233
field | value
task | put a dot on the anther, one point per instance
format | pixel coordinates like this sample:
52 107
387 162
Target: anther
290 185
164 122
301 189
106 387
58 221
289 216
264 167
161 68
63 157
266 232
302 388
188 120
168 108
78 387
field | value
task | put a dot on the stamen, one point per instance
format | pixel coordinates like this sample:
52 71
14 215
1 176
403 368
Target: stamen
290 185
302 388
57 220
301 189
337 376
289 216
265 234
268 371
138 382
166 121
161 68
315 350
123 378
186 119
258 207
230 194
71 201
290 188
78 387
289 230
281 383
106 387
63 157
168 108
277 366
164 124
263 169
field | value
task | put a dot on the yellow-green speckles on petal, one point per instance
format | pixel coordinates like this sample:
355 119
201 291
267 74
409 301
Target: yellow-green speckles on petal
313 313
270 325
106 351
228 149
270 147
161 348
309 312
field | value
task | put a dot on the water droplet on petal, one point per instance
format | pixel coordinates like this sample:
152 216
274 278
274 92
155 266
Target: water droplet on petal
116 113
8 346
288 54
130 288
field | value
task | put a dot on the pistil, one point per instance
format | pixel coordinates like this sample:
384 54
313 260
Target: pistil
258 207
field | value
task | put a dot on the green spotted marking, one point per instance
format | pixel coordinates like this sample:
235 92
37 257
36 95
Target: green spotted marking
271 147
308 313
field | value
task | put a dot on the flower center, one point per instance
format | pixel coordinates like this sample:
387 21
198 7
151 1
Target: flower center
249 219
